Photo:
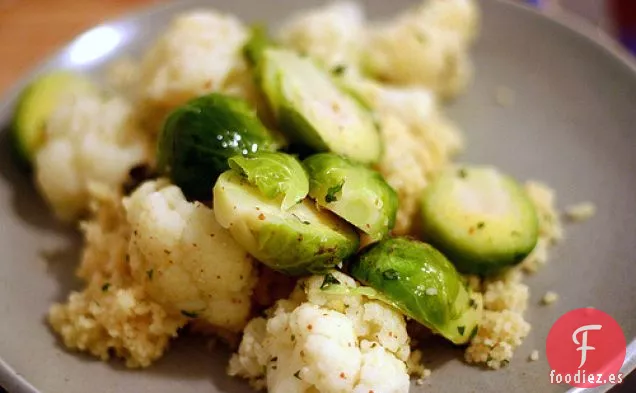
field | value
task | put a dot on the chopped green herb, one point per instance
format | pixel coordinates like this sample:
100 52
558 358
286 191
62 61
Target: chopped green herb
339 69
474 332
329 280
462 173
461 329
480 225
105 287
190 314
297 374
306 222
391 274
332 191
505 362
149 273
472 303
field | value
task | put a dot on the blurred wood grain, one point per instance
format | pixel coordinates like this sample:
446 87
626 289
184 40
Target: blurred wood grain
32 29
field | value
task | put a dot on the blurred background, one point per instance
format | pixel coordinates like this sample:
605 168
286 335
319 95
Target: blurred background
32 29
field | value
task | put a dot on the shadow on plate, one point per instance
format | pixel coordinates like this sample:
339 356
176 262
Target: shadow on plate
204 362
25 200
61 264
30 208
438 351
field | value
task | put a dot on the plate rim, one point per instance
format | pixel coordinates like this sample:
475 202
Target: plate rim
11 379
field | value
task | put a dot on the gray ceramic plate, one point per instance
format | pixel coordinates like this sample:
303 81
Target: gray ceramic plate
572 125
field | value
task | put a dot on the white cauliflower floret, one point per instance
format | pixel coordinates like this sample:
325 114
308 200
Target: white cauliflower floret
331 34
252 356
187 261
88 139
320 334
423 48
374 321
325 342
459 16
379 370
199 53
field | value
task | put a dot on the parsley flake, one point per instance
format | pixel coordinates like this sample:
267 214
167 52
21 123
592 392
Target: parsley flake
329 280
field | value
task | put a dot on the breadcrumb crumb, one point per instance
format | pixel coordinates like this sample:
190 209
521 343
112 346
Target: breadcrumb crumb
505 96
534 356
550 226
549 298
580 212
506 293
416 368
498 335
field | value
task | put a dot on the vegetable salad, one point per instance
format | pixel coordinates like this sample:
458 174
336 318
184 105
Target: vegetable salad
290 192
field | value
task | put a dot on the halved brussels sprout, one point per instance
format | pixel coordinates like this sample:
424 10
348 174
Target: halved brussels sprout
36 103
354 192
313 111
481 219
297 241
199 137
274 174
418 280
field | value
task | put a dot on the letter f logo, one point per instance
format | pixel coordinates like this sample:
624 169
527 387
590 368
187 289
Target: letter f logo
583 344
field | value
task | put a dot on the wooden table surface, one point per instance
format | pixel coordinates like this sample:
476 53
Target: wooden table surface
32 29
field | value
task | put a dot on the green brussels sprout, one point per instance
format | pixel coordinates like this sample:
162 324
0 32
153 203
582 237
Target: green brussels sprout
274 174
418 280
300 240
199 137
353 191
36 104
481 219
313 111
